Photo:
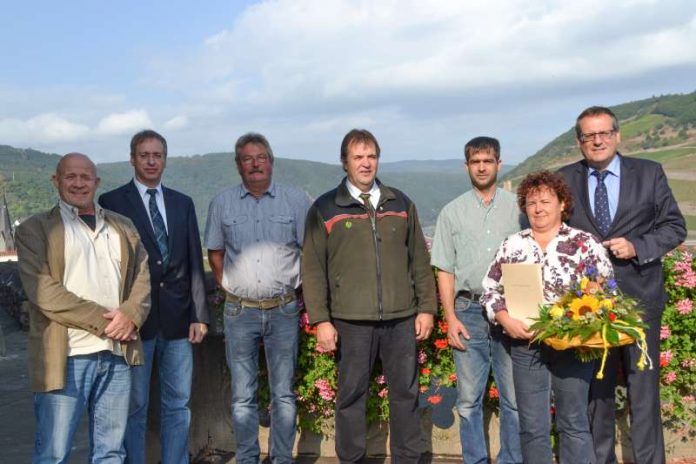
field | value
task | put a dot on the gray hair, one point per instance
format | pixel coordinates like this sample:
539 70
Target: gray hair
252 137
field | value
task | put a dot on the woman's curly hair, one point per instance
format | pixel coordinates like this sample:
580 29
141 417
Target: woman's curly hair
553 181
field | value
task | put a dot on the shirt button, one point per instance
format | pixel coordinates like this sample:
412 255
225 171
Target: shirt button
159 262
161 284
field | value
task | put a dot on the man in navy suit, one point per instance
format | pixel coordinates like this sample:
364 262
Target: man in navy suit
627 203
166 221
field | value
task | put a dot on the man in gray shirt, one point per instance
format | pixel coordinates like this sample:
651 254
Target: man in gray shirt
253 236
467 235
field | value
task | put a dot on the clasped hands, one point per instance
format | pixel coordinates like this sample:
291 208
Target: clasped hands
120 327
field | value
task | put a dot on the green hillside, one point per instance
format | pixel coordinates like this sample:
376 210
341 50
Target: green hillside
25 179
662 129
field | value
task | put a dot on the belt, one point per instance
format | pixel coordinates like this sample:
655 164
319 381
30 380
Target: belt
266 303
469 295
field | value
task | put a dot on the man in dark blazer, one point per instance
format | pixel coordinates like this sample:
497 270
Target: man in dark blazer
627 203
166 221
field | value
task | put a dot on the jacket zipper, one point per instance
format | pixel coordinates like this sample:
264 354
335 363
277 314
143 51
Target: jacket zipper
378 264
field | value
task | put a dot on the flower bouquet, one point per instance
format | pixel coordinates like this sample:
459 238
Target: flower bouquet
592 316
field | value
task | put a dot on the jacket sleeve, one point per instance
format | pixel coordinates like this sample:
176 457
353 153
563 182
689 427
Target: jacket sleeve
669 229
47 293
200 311
314 268
419 260
136 304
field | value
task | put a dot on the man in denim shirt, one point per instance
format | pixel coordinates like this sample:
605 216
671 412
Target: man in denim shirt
253 235
468 232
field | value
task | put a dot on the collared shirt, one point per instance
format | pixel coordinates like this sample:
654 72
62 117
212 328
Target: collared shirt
565 258
261 237
612 181
355 192
142 190
92 272
468 233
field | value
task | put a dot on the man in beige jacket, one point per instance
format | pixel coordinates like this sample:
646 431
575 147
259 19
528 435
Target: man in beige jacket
85 274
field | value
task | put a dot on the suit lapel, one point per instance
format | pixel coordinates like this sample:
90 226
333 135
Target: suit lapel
170 208
626 180
56 241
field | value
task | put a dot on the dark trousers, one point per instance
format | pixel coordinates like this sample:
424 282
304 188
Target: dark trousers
644 398
359 344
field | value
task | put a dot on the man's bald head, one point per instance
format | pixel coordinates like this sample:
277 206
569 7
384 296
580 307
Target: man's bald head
77 182
75 155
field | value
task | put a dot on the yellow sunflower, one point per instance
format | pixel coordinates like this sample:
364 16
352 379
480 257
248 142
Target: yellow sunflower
585 304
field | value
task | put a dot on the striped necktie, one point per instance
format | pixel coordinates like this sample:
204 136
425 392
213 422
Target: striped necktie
159 228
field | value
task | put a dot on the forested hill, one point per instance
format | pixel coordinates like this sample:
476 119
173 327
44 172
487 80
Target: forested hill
25 178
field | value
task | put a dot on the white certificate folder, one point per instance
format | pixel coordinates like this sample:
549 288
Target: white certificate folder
524 290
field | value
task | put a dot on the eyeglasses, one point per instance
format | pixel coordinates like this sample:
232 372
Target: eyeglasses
261 159
603 135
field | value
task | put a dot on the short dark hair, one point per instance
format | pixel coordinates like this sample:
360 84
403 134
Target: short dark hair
596 111
546 179
358 136
252 137
482 143
146 134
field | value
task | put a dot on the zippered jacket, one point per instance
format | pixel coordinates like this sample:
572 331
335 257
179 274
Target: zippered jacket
356 271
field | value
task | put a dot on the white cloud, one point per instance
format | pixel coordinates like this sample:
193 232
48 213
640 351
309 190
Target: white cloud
43 128
362 52
177 122
122 123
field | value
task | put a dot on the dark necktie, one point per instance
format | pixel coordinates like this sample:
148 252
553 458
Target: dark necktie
159 228
365 197
601 202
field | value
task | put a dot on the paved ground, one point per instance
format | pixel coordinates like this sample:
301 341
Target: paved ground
16 407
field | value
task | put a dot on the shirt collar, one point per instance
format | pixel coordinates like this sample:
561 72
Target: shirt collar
563 231
479 200
271 191
355 192
71 211
142 188
614 167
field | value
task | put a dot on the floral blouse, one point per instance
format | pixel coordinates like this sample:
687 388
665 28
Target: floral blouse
567 256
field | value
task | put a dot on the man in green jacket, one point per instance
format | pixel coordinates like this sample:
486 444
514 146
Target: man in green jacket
84 271
369 289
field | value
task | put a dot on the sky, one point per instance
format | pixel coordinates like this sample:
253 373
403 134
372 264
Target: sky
423 76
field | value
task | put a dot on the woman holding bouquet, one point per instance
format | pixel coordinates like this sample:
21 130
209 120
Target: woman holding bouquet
565 254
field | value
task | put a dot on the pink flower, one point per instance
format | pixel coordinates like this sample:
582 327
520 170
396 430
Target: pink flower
325 390
688 398
688 363
422 357
665 358
670 377
304 319
383 392
665 332
684 306
380 379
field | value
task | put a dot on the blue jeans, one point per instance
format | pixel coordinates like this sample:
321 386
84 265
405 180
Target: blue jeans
174 370
278 330
539 371
99 383
487 348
